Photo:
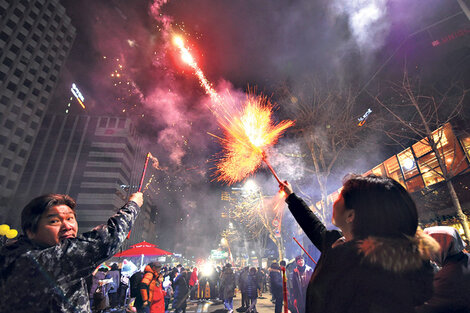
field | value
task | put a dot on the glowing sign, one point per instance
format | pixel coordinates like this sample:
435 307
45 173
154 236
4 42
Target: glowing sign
218 254
363 119
77 94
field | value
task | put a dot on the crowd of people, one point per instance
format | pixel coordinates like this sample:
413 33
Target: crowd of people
378 260
159 289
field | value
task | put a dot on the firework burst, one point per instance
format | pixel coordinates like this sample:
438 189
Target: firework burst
248 132
247 136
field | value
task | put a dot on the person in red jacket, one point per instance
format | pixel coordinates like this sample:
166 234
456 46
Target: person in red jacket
157 304
151 273
193 282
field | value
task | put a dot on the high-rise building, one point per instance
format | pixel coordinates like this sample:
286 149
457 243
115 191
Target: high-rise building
97 160
35 39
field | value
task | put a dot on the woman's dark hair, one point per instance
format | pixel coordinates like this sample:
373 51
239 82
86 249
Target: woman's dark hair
382 207
35 208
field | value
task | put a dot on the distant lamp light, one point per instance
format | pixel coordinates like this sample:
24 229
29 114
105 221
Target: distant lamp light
250 186
223 241
408 164
207 269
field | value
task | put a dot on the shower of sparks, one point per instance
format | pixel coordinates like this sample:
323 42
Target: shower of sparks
148 183
126 94
247 136
248 133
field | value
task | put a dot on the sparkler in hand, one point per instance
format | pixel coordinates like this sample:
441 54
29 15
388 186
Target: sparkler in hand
247 136
248 133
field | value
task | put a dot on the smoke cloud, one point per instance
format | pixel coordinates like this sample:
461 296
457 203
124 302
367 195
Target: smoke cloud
367 20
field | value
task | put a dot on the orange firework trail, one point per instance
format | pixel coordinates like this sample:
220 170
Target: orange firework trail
248 133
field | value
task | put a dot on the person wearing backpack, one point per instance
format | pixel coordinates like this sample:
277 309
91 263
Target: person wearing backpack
134 284
144 297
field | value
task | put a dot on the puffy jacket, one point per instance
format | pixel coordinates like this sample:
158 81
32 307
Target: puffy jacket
193 280
252 286
147 284
157 304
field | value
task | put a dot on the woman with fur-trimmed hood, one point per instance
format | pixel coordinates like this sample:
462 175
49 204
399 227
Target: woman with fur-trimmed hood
378 262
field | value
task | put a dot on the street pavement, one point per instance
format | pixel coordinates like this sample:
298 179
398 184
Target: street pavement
263 305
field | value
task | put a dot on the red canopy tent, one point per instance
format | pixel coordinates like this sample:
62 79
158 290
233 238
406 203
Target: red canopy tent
142 248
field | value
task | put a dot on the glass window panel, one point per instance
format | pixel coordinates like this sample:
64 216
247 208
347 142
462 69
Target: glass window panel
408 163
103 122
122 123
112 123
393 170
451 152
421 148
414 184
379 170
428 162
439 136
466 145
432 177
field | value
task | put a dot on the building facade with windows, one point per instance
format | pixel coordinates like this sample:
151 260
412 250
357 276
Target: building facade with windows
35 39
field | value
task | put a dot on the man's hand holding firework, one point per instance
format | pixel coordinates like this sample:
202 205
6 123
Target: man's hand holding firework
138 198
286 187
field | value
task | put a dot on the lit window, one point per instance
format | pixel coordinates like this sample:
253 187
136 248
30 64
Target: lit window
407 163
393 170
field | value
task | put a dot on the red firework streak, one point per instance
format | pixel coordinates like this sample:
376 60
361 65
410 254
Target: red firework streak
142 180
284 289
305 251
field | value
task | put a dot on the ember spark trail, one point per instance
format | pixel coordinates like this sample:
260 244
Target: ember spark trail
188 59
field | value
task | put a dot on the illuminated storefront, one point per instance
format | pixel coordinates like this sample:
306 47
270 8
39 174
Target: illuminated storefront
417 166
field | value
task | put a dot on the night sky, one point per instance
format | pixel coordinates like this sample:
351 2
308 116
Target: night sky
239 44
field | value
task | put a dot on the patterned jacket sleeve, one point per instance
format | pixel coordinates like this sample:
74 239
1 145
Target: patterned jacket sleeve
311 224
77 257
